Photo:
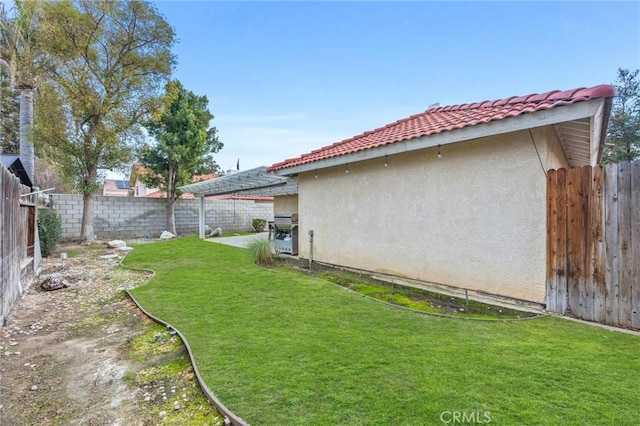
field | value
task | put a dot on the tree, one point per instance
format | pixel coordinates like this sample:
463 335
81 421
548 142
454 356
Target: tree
208 166
104 63
183 137
18 49
624 124
9 115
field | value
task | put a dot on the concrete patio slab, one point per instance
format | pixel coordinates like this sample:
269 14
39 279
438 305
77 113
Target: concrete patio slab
239 240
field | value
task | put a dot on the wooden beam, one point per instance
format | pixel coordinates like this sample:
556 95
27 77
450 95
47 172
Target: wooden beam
596 134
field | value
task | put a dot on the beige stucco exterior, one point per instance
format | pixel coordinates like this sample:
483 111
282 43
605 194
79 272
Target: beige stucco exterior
473 219
286 204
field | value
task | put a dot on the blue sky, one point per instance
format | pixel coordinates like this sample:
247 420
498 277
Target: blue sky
284 78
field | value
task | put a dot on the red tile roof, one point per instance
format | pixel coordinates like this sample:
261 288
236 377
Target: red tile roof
443 119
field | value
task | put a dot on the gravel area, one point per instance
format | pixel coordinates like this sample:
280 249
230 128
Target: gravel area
83 354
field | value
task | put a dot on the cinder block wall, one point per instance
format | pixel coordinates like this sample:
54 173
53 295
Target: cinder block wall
137 217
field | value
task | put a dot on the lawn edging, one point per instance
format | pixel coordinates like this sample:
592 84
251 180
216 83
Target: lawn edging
230 417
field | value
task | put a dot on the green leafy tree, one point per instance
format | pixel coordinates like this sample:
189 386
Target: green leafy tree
9 114
104 62
183 138
209 166
624 124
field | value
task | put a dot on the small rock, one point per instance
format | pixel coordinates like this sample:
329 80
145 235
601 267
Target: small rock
33 388
124 248
53 282
166 235
162 413
7 353
109 256
158 336
116 244
212 232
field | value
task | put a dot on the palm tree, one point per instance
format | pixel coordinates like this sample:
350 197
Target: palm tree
17 41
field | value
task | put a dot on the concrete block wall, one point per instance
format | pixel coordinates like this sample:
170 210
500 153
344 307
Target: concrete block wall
137 217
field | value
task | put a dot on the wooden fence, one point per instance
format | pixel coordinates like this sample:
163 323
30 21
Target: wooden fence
593 243
17 241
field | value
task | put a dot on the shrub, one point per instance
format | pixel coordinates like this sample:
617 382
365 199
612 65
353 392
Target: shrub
49 230
261 251
259 224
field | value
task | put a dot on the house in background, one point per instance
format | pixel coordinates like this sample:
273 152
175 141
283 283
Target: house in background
117 188
455 195
139 188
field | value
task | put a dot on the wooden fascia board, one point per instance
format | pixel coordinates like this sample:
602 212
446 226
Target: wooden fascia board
596 135
508 125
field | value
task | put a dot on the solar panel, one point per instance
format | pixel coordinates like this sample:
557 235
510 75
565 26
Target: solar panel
122 184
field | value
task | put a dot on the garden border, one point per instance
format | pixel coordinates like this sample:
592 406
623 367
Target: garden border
234 419
230 416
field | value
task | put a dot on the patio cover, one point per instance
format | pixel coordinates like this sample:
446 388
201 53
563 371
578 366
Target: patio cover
247 182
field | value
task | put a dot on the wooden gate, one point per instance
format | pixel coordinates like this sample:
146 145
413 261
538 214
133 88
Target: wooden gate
593 243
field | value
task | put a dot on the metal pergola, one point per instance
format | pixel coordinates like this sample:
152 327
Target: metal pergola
256 182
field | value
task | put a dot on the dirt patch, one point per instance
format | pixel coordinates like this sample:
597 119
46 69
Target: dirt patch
84 354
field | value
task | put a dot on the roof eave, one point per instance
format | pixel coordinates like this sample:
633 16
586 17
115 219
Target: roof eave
522 122
600 124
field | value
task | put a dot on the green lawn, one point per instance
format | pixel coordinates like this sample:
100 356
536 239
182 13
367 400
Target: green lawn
281 348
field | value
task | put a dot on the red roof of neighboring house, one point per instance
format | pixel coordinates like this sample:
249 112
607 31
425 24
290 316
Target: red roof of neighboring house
139 169
161 194
200 178
443 119
240 197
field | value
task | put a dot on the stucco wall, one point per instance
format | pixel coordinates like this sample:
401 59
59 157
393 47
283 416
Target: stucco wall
551 151
285 204
473 219
135 217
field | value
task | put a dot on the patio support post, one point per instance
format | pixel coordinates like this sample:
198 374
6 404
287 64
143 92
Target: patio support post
201 216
